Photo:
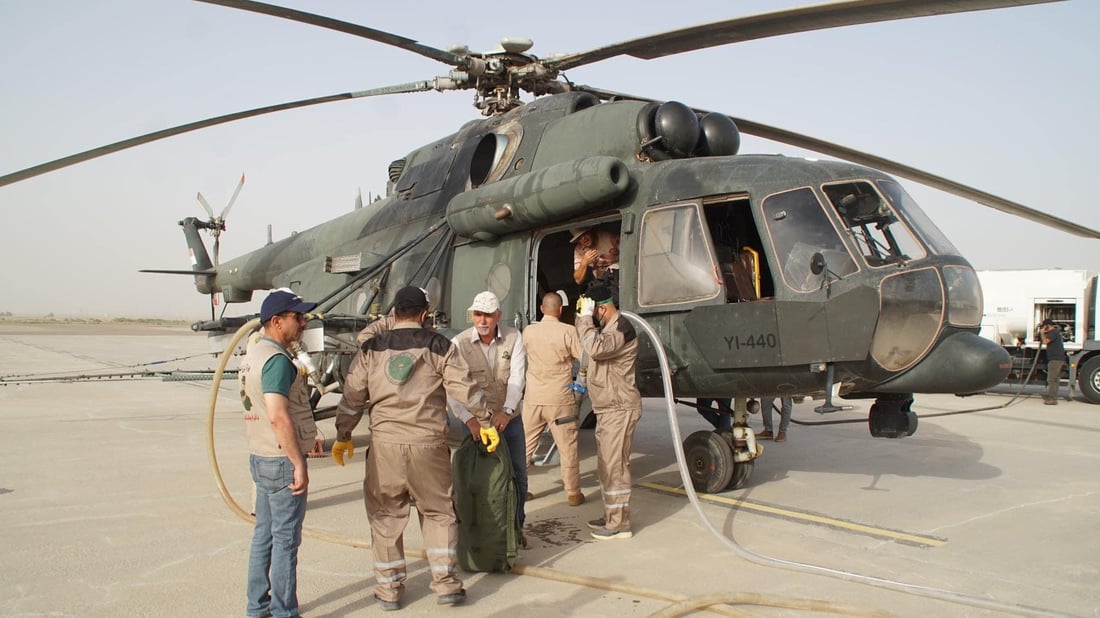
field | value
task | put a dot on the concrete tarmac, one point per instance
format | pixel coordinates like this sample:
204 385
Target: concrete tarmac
108 507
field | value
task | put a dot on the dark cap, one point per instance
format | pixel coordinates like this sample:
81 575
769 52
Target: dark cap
281 301
1046 322
600 293
410 297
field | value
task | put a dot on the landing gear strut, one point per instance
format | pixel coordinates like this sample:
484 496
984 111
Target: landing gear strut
892 418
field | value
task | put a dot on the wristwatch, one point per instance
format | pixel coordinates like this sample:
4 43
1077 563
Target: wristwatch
509 411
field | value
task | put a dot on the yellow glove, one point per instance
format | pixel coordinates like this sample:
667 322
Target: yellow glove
489 436
585 306
341 447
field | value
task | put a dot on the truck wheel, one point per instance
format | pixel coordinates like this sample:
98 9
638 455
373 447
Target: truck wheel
1088 379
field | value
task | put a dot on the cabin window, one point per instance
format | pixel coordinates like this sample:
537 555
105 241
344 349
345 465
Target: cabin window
799 228
916 217
880 236
675 263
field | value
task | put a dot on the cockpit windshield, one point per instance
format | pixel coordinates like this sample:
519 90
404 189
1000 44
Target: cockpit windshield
881 237
912 213
799 229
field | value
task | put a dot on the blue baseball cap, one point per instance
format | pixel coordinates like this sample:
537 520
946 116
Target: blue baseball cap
281 301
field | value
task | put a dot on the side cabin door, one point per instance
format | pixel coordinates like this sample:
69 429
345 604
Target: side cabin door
499 266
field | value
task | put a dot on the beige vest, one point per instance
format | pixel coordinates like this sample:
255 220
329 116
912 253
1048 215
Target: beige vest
261 436
493 381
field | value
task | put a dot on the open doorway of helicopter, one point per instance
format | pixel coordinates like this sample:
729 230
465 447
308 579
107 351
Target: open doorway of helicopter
727 245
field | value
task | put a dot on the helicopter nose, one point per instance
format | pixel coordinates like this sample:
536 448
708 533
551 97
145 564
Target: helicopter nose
961 363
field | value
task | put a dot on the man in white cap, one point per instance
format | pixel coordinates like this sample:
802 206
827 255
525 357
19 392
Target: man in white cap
595 250
498 363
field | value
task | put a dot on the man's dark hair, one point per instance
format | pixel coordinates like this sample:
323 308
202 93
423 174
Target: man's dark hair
407 313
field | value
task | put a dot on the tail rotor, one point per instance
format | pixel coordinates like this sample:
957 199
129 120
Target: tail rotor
216 224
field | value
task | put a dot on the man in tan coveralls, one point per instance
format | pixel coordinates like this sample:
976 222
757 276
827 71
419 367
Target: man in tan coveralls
613 350
406 373
551 349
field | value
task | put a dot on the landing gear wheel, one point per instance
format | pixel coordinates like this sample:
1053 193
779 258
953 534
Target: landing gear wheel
709 460
742 471
1088 379
892 418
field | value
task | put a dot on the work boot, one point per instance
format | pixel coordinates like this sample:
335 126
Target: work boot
1050 402
764 435
604 534
388 606
781 436
576 499
453 598
597 524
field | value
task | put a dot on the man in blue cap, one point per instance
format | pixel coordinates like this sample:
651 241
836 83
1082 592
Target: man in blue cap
280 427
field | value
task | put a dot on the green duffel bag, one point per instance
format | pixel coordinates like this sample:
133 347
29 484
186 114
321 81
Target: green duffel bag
485 502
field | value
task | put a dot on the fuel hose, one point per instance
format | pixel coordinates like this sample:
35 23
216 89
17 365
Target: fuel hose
888 584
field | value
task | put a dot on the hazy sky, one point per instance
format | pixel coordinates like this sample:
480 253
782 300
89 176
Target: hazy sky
1002 100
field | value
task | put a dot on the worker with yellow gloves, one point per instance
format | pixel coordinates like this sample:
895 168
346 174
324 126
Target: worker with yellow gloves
496 358
406 373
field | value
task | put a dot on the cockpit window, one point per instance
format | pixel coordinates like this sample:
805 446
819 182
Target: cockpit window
675 262
881 237
912 213
799 228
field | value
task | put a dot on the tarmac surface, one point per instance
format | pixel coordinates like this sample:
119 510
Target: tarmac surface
109 507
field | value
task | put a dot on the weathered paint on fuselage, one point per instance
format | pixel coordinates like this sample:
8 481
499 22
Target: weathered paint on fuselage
833 324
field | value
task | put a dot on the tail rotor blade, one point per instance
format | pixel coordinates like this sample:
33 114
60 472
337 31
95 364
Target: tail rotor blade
232 200
205 205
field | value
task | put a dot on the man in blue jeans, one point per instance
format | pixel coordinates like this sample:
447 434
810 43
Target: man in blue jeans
722 418
280 427
786 404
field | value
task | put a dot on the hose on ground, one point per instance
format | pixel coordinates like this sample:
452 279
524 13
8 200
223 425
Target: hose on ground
924 591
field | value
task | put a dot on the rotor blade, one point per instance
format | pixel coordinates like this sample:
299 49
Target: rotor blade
804 19
899 169
210 271
342 26
886 165
205 205
232 200
57 164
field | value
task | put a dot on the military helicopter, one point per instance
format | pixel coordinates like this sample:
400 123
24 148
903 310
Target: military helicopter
764 275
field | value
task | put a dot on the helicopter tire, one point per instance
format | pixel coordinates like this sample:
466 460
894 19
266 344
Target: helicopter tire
709 461
891 417
742 472
1088 379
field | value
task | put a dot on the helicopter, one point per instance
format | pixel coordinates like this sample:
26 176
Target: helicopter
850 284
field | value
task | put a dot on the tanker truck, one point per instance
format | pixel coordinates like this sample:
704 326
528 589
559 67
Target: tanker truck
1017 301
